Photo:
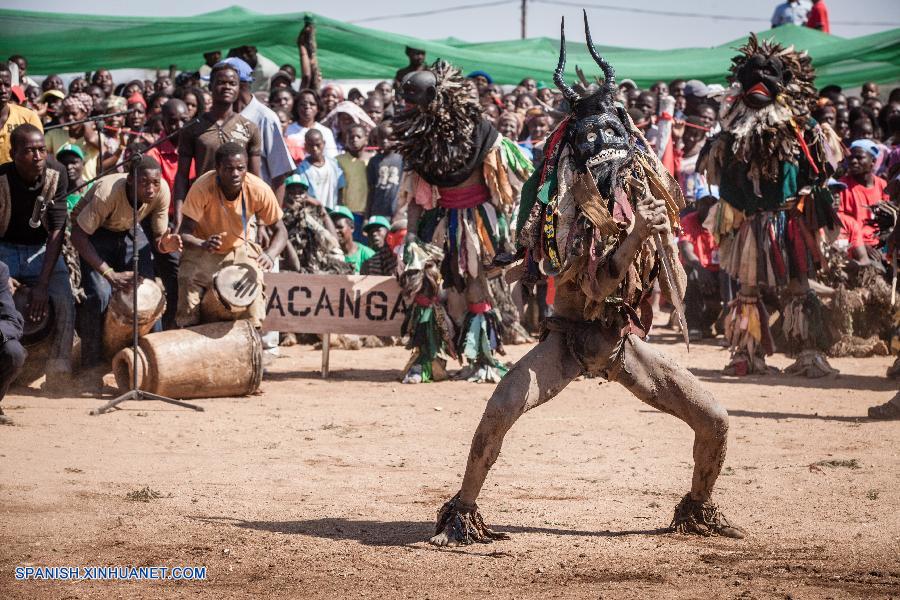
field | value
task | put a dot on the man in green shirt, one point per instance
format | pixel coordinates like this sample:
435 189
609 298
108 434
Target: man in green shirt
355 254
72 158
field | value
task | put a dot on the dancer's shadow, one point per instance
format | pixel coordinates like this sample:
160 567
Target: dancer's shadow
392 533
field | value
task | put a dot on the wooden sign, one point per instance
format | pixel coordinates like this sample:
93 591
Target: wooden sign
355 304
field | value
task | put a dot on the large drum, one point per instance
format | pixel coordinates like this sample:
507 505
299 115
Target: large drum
117 329
36 337
206 361
33 333
233 291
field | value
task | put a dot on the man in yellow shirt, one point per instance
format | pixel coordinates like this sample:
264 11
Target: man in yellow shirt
77 107
101 233
216 214
11 115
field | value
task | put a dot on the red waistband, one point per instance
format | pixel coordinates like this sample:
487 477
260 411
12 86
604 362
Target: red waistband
422 300
479 308
464 197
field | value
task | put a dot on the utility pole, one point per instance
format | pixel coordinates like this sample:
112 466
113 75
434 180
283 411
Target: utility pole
524 18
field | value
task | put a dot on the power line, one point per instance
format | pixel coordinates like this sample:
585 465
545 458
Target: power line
608 7
437 11
693 15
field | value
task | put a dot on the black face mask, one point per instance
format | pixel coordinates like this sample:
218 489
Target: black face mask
601 143
597 134
419 88
762 79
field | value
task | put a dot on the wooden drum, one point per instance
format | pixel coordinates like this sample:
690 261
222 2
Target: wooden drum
117 330
36 337
33 333
234 289
207 361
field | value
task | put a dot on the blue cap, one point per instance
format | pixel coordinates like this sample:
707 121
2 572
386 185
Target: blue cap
867 145
244 71
475 74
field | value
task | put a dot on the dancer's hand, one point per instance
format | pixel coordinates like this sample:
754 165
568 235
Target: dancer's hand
651 217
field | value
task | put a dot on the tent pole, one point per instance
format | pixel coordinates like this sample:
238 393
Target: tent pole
524 19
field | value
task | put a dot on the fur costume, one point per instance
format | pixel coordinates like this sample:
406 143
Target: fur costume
576 211
466 178
771 161
595 216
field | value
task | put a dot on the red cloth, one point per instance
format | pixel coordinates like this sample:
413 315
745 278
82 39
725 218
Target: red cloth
395 238
817 18
704 243
464 197
855 203
851 231
166 154
479 308
136 98
422 300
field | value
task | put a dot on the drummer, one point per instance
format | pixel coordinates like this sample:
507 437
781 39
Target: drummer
216 214
101 233
32 252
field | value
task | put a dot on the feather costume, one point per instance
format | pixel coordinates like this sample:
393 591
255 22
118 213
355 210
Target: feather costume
771 161
466 178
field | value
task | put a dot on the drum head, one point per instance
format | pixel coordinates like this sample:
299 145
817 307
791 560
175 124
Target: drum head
237 286
33 333
150 296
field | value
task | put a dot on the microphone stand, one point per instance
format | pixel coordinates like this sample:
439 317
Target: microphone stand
90 119
136 393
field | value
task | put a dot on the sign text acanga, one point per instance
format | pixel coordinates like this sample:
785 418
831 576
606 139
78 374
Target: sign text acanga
357 304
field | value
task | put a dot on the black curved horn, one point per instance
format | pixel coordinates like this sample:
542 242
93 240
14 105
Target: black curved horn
558 76
609 74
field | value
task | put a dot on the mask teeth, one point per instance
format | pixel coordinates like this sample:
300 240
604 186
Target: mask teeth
605 155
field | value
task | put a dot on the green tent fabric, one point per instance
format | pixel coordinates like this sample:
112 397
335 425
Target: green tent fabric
65 43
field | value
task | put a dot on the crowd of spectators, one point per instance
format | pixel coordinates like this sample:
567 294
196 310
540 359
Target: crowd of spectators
326 154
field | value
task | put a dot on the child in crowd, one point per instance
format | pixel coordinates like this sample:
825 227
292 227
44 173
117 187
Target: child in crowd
323 175
383 173
352 162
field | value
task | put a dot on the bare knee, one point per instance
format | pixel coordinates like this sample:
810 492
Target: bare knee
504 407
714 421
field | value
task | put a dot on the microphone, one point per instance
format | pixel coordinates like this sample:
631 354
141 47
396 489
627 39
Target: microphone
40 204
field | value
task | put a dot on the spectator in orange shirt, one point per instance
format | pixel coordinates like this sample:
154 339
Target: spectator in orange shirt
214 229
864 189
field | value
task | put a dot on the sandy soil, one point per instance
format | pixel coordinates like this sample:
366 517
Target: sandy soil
329 489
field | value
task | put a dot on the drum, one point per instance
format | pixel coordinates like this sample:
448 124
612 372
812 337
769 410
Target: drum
33 333
206 361
117 329
233 291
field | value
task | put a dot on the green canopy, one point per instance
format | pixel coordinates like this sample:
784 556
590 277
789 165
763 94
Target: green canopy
67 43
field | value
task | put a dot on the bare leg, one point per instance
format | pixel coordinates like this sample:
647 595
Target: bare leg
671 388
538 377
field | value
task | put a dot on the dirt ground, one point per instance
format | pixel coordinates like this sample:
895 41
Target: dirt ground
328 489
